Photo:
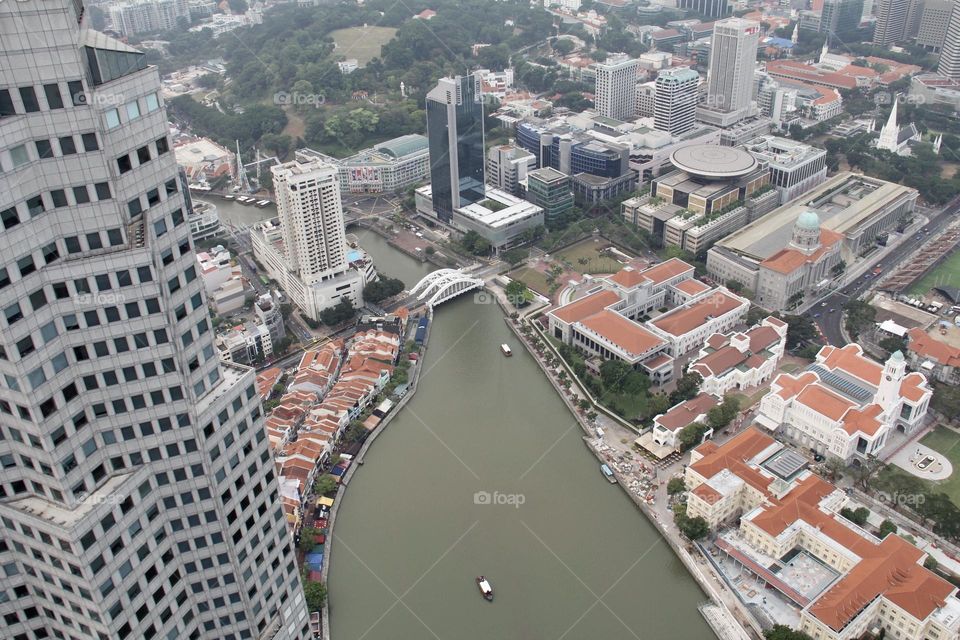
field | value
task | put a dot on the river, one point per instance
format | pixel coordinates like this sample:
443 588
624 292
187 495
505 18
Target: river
568 554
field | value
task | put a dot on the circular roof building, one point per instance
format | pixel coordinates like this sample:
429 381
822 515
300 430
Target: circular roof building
712 162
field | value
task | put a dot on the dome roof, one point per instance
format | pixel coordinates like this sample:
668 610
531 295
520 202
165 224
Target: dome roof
809 220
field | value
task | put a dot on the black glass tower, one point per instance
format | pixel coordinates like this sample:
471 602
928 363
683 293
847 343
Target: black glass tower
455 133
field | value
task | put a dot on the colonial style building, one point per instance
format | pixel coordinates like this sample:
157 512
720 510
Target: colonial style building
737 361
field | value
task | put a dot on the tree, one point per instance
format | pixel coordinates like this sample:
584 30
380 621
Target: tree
382 288
946 399
859 316
316 595
755 315
517 293
857 516
325 484
687 387
783 632
307 538
800 329
887 526
563 46
891 344
342 312
691 435
675 486
613 372
865 471
515 256
834 467
734 285
476 244
931 563
279 144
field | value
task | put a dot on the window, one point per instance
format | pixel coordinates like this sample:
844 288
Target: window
94 241
115 237
81 195
113 118
35 206
77 95
124 164
26 265
73 244
29 97
50 252
153 197
143 155
67 146
54 99
59 197
135 207
89 142
44 149
9 218
133 110
103 190
152 102
6 103
19 155
162 146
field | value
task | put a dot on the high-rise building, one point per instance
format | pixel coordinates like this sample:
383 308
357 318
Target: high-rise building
840 17
455 134
138 497
949 64
733 59
142 16
891 21
507 167
550 190
305 248
616 89
675 104
708 8
934 18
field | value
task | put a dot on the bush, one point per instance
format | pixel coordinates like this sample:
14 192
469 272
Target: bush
675 486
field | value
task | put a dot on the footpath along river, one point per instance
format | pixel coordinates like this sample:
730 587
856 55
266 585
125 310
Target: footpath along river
485 472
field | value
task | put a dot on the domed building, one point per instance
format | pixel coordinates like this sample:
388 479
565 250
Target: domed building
807 260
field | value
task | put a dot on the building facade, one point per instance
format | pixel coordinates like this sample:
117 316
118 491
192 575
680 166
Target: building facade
551 191
795 167
122 515
455 134
508 166
675 105
388 167
616 86
733 59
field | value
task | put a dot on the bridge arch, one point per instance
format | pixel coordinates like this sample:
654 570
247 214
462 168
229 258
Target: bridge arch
444 284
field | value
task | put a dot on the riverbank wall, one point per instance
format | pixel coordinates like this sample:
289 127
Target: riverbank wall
732 624
345 481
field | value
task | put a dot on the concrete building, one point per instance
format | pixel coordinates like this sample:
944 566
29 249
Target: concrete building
733 60
675 106
791 254
122 515
795 167
646 99
388 167
712 192
934 19
501 218
455 134
933 358
742 360
949 63
834 577
709 8
840 18
551 191
845 404
143 16
304 249
892 23
687 327
508 166
616 86
204 159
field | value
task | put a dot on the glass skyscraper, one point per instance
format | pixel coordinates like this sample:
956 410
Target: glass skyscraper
455 133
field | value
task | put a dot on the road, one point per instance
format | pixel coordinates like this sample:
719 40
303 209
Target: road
829 322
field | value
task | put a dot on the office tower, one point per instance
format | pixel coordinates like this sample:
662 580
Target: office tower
616 90
949 64
138 497
891 22
733 57
455 134
840 17
507 167
675 104
141 16
311 219
934 18
708 8
550 190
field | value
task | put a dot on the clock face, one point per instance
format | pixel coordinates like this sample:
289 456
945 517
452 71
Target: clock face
889 378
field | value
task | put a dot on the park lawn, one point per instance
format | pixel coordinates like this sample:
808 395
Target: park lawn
532 278
627 405
946 273
947 442
589 250
362 43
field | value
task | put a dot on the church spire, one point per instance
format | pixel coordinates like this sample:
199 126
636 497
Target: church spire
890 134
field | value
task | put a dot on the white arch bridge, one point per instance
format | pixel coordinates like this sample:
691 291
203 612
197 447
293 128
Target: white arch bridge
444 284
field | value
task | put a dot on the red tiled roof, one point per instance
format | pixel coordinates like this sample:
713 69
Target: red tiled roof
627 334
685 413
585 306
733 456
685 319
926 346
666 270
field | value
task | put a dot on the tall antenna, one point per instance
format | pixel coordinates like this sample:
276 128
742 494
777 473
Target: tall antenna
242 181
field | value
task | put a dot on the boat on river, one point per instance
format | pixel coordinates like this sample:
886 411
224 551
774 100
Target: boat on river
608 474
505 348
485 589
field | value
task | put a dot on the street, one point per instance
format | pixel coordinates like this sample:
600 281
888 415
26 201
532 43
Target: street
829 322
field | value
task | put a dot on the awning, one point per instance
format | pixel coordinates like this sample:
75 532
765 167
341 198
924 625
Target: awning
324 501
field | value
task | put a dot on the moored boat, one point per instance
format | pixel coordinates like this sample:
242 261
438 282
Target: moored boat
262 203
485 589
608 474
505 348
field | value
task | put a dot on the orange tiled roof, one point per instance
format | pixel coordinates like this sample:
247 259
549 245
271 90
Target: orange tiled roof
692 287
850 359
926 346
733 456
627 334
586 306
824 401
685 319
628 277
914 387
685 413
666 270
